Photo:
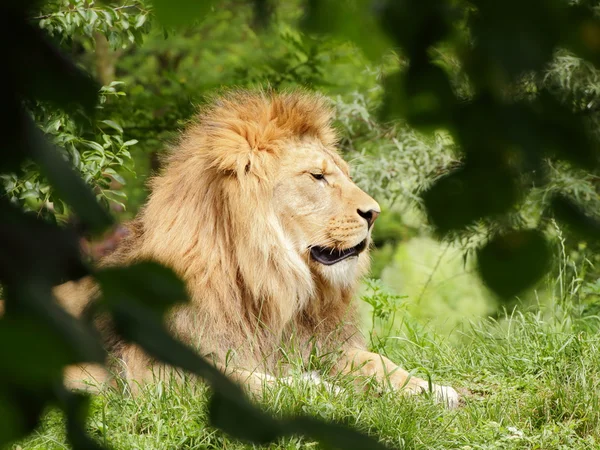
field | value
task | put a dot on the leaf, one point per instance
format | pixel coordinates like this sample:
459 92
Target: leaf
67 184
113 125
95 146
16 143
243 421
118 178
508 44
40 355
353 20
430 100
130 142
76 407
334 435
20 411
177 13
416 26
468 194
33 249
513 261
572 215
62 84
141 20
154 285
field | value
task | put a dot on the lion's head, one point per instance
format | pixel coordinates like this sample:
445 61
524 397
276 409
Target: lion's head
323 214
256 210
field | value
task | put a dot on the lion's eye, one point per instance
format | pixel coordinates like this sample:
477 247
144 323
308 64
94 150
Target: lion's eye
318 176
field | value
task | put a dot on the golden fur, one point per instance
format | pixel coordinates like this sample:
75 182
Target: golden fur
251 187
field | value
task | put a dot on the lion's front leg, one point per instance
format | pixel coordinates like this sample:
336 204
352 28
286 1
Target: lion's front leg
384 371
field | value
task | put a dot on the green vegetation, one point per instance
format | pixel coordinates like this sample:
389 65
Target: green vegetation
481 149
529 380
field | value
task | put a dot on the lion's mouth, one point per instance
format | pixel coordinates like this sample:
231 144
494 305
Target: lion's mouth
329 256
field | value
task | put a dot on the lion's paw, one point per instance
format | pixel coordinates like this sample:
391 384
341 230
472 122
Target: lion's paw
442 394
446 395
312 379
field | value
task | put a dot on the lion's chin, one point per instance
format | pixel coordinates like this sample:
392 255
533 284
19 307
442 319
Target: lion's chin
342 274
331 256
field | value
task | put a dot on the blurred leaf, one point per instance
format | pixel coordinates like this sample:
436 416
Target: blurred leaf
513 261
36 355
76 408
33 249
583 34
243 421
468 194
353 20
11 425
429 97
177 13
394 102
229 407
335 435
14 148
148 282
572 215
20 411
416 25
565 134
62 84
512 37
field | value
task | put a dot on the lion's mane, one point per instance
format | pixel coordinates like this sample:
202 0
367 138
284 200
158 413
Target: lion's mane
209 218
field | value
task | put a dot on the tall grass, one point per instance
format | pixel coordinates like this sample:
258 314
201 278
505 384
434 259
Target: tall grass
528 379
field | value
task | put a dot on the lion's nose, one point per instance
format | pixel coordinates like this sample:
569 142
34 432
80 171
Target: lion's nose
369 215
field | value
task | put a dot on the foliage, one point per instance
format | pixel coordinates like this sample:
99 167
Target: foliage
384 307
99 155
509 128
529 381
36 255
75 19
506 113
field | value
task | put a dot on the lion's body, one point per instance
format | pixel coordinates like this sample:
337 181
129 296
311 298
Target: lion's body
236 212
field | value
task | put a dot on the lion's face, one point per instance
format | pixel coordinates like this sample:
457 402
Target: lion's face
326 218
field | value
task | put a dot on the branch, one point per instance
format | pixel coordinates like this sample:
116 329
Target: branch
118 8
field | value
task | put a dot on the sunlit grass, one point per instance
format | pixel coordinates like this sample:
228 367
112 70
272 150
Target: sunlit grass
529 381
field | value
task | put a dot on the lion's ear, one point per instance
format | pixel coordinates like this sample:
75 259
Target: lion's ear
242 150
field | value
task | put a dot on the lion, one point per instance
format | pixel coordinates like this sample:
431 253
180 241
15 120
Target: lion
256 211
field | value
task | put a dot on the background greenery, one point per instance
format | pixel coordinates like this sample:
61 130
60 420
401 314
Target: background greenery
416 110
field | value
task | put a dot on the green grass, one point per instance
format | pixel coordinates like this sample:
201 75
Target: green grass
529 381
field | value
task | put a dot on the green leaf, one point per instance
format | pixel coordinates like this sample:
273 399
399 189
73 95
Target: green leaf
468 194
51 257
21 412
68 185
508 44
63 83
95 146
141 20
333 435
76 407
513 261
243 421
113 125
40 356
575 218
155 285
